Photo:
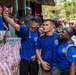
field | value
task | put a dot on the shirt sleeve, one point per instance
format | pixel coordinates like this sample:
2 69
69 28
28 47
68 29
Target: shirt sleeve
23 30
72 54
38 44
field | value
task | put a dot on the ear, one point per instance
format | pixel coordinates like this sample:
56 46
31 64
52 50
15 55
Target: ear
38 25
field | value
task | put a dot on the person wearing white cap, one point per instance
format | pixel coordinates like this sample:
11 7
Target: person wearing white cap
27 18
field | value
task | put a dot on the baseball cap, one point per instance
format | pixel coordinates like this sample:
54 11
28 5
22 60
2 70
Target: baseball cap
69 30
28 8
37 19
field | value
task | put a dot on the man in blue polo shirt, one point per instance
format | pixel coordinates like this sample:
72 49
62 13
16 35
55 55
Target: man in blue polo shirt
48 45
28 63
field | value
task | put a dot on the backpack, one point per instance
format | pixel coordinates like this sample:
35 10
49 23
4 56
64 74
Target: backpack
27 34
67 48
74 39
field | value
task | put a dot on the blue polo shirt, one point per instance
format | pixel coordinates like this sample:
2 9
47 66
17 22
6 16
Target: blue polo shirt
62 60
28 46
1 23
47 53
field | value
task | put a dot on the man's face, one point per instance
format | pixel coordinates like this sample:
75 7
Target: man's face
48 26
34 24
29 12
60 27
11 10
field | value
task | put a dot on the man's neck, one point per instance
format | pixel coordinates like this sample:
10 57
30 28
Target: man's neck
33 29
50 33
28 15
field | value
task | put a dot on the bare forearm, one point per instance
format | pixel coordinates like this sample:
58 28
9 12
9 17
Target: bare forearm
72 68
38 55
12 23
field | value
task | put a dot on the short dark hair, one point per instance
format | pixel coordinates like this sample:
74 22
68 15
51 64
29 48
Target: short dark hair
10 6
60 25
51 21
70 31
37 19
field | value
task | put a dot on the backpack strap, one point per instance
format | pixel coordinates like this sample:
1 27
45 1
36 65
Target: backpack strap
38 32
43 44
26 35
67 48
52 46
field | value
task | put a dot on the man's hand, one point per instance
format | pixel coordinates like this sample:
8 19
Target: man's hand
9 20
33 58
5 12
45 65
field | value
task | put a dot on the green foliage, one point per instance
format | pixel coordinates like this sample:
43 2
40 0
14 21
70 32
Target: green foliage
66 9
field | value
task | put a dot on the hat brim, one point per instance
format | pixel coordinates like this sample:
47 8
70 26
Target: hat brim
33 19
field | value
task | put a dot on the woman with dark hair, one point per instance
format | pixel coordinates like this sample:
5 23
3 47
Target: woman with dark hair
67 53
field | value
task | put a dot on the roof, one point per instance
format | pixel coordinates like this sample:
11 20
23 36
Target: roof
45 2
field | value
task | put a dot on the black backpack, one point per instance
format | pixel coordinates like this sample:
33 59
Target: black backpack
27 34
67 48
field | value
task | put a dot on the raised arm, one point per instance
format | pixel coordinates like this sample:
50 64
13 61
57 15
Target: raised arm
10 21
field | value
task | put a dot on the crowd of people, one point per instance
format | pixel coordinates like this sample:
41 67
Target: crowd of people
49 41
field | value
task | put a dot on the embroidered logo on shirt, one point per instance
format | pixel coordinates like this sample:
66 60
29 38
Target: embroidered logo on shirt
63 50
56 42
35 39
74 56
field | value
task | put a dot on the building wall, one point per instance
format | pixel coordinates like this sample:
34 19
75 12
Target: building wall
11 2
7 2
20 4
